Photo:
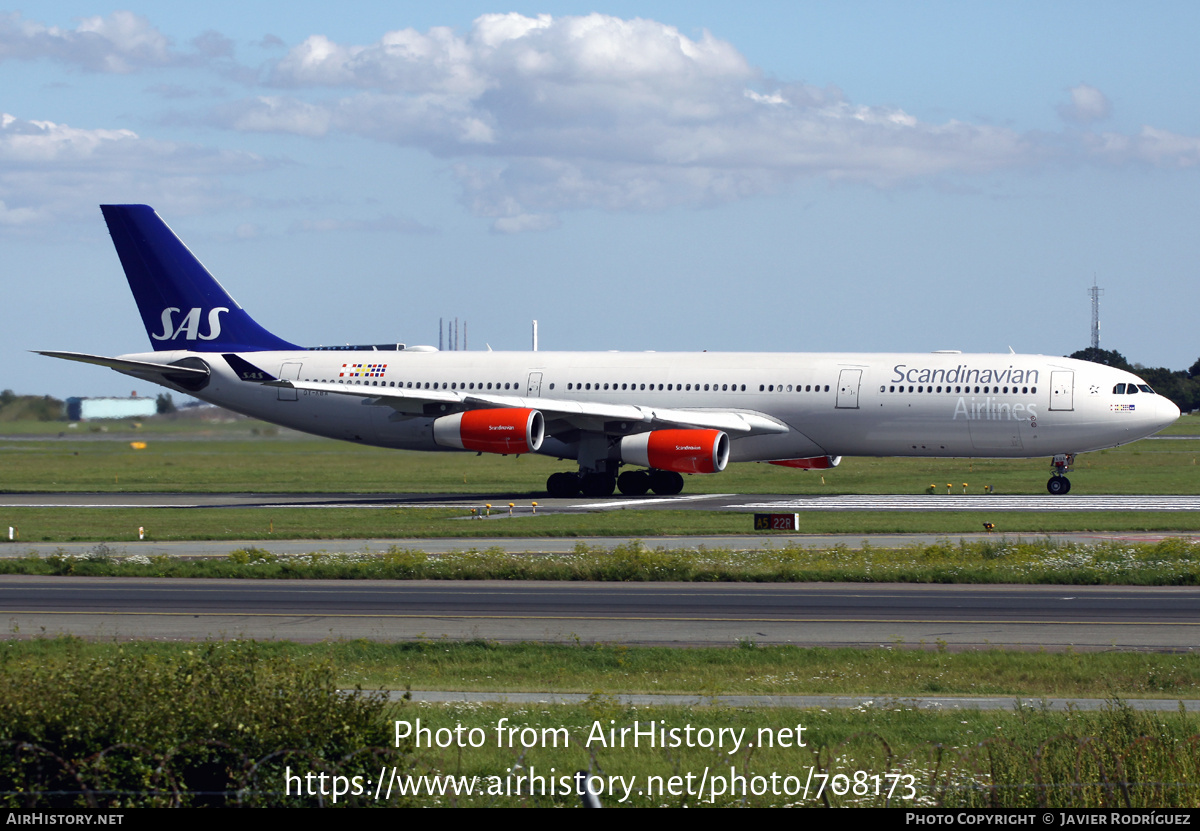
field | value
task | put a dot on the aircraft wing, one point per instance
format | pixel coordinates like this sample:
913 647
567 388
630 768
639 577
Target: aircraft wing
173 372
584 415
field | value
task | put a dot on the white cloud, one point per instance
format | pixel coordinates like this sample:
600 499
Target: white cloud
120 43
1160 148
386 224
51 171
525 222
269 113
546 114
597 111
1087 104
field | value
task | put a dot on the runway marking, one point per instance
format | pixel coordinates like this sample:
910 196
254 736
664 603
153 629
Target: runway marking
263 505
439 616
637 503
958 502
858 502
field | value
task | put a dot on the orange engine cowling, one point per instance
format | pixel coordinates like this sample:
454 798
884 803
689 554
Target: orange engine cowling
683 451
491 431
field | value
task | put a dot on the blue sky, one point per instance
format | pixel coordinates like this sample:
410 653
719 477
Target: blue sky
670 176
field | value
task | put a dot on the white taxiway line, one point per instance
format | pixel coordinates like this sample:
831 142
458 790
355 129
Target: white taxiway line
638 503
952 502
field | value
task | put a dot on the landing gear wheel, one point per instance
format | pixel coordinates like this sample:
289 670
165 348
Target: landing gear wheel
666 482
634 482
1059 485
563 485
596 485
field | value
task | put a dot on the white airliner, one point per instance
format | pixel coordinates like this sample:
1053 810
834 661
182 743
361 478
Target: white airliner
661 414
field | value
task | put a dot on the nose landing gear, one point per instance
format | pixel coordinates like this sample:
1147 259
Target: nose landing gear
1059 484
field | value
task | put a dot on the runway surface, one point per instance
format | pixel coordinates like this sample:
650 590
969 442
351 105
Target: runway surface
524 503
830 702
829 614
547 545
681 614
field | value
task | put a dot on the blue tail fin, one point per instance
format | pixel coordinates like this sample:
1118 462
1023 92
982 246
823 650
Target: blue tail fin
182 305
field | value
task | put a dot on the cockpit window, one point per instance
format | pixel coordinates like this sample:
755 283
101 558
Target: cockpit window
1119 389
1131 389
1145 388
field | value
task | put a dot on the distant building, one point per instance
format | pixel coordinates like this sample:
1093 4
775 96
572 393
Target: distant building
86 409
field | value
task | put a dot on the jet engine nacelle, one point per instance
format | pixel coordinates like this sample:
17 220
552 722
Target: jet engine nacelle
491 431
682 451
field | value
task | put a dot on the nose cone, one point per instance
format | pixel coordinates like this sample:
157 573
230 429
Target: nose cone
1165 413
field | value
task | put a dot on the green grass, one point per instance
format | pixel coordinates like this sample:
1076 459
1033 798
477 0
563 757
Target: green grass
218 724
608 669
199 727
167 524
1187 425
1031 759
784 670
1171 562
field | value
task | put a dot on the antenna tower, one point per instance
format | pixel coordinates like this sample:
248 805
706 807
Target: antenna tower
1095 293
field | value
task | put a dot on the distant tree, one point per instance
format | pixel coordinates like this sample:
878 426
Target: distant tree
1177 386
29 407
1182 387
164 404
1108 357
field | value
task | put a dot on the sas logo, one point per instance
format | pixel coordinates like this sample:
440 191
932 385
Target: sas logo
189 325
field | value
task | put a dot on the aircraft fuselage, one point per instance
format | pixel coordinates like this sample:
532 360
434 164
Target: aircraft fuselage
852 404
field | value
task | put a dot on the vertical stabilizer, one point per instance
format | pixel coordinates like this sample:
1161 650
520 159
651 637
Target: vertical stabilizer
182 305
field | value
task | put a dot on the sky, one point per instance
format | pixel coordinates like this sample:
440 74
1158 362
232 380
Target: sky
761 176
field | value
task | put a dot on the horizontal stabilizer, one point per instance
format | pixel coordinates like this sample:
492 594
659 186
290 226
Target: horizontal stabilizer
123 365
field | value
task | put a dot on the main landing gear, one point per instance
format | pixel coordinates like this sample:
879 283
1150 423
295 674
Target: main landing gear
1060 484
597 484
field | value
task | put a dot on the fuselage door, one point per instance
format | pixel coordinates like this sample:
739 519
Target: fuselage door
534 388
288 372
1062 390
847 394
